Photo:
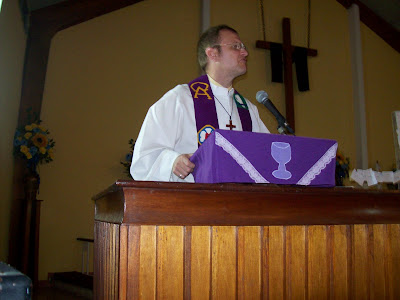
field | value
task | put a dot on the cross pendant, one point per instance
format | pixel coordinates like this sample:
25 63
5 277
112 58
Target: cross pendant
230 125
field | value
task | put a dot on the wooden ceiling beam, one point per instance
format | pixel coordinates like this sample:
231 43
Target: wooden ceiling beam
377 24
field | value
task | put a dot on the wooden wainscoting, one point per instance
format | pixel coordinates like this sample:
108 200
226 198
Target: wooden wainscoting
247 262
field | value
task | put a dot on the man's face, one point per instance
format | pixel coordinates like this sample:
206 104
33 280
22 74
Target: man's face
232 61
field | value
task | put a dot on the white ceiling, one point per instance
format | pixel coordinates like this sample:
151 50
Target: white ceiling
387 9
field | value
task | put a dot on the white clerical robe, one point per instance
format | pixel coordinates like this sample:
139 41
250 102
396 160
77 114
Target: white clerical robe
169 130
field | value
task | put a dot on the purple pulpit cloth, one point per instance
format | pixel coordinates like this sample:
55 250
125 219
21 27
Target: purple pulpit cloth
250 157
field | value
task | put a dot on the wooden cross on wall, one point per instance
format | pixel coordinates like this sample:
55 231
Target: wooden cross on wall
287 49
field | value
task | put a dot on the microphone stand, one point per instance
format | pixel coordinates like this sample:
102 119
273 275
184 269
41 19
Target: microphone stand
284 128
281 129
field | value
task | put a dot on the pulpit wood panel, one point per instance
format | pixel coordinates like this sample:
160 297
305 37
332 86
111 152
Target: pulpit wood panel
394 261
169 262
249 262
200 262
223 262
316 265
340 264
361 262
275 257
296 269
378 272
148 262
174 260
318 262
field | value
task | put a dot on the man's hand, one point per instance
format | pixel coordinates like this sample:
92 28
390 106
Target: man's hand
182 166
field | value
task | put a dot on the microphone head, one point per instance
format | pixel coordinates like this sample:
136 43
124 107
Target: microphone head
261 96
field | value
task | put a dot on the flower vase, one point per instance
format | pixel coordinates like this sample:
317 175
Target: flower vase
30 222
339 180
31 183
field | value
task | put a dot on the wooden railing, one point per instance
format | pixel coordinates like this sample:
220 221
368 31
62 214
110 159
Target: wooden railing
85 265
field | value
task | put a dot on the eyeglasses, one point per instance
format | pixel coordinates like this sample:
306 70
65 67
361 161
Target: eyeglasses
235 46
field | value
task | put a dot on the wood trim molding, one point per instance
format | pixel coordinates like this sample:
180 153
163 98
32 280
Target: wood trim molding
156 203
382 28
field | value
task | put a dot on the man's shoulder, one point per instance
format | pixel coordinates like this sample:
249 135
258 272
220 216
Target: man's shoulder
180 88
179 91
178 94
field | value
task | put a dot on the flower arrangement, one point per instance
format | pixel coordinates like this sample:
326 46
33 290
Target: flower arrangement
128 158
33 144
342 168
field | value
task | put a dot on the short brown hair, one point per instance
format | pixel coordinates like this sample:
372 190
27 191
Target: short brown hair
210 38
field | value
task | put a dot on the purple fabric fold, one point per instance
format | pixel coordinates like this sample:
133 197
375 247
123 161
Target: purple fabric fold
249 157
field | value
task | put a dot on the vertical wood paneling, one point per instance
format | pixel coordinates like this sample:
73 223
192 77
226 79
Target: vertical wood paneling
115 260
200 262
276 259
123 261
249 262
147 273
295 262
133 261
394 244
107 268
223 262
170 262
361 262
340 262
264 235
106 273
97 257
318 267
227 262
187 260
378 263
350 260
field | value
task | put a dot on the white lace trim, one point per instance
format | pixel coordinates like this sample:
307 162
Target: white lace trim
321 164
239 158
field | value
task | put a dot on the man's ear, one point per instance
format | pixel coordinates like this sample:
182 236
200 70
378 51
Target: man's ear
212 53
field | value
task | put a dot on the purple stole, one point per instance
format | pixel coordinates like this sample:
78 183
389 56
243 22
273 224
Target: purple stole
205 111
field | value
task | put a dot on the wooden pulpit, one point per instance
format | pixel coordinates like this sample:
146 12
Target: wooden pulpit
161 240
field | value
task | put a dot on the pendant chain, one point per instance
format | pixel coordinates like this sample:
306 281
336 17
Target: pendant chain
230 115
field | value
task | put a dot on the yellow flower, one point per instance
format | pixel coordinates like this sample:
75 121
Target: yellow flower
34 125
28 155
42 150
28 128
40 140
27 135
24 149
42 128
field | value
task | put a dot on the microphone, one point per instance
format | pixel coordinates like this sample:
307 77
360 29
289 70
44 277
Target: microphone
262 97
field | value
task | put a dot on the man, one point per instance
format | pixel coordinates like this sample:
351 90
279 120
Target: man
183 118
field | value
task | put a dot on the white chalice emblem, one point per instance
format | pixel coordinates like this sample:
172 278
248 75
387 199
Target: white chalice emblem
282 154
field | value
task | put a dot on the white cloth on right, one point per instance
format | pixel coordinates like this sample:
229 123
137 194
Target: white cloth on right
169 130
